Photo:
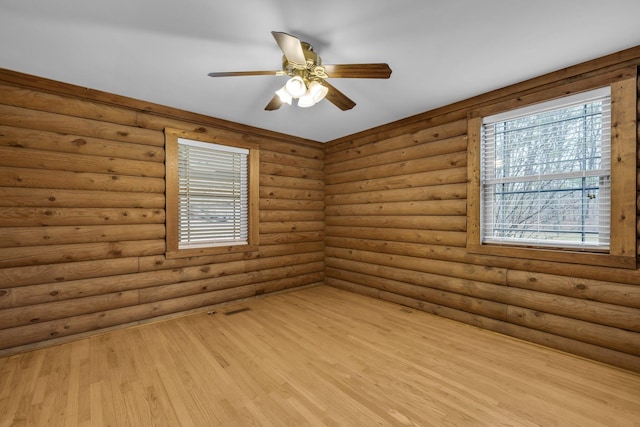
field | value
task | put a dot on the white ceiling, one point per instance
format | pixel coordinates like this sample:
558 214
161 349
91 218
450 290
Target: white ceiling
440 51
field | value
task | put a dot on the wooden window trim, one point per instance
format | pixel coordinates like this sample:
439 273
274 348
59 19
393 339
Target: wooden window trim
171 194
622 251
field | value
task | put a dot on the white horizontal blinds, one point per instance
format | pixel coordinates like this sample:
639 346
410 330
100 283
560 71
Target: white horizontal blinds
546 174
213 194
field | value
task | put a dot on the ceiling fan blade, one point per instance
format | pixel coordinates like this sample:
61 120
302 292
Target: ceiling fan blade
291 47
274 104
338 98
245 73
364 71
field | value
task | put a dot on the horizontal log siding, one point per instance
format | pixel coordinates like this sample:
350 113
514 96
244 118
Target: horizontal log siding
82 220
396 230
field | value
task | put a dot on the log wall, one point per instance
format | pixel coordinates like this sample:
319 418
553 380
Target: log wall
82 219
396 230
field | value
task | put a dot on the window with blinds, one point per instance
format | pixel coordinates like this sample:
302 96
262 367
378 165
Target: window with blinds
546 173
213 201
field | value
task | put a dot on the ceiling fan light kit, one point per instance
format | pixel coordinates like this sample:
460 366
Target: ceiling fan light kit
307 75
309 94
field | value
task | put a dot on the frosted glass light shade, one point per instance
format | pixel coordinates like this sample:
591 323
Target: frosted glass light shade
306 101
315 94
296 87
317 91
284 95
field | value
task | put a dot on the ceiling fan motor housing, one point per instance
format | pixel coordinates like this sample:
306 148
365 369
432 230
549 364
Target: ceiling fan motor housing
312 70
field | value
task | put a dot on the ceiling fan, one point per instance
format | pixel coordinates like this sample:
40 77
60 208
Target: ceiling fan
307 83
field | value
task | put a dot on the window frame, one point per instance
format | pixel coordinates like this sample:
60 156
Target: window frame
172 196
495 191
622 251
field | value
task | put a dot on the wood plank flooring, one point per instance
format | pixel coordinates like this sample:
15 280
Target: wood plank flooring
313 357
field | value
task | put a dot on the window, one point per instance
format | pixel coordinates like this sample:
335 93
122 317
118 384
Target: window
211 195
545 174
555 180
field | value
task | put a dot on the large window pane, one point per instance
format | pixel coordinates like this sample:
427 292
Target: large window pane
546 172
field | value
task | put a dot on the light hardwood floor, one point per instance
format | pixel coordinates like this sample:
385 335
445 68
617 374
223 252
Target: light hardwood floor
318 356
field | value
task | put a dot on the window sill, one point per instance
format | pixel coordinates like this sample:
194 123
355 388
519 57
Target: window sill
564 256
216 250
